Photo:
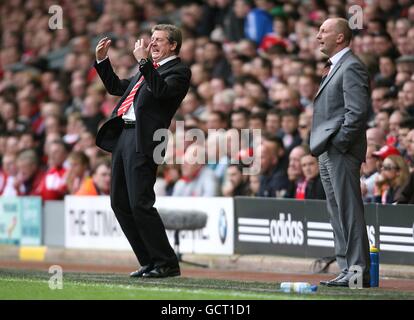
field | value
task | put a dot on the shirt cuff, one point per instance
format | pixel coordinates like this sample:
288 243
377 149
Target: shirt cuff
99 61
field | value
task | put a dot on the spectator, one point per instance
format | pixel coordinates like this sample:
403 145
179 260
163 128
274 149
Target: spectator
257 120
382 120
289 99
215 61
258 22
234 23
100 181
394 125
376 136
8 174
289 133
273 121
304 127
387 69
406 125
172 173
308 86
294 171
29 178
217 159
91 114
410 149
369 172
197 180
378 98
236 183
408 100
391 180
311 187
77 172
240 118
406 196
54 182
191 104
216 120
273 178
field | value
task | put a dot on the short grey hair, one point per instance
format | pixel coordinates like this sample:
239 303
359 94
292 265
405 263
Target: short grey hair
174 34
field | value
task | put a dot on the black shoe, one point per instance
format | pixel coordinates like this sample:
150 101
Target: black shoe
139 273
163 272
344 282
325 282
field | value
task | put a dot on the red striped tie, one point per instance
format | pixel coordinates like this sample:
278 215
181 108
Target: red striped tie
126 104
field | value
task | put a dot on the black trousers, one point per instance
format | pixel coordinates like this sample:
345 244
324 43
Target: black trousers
132 200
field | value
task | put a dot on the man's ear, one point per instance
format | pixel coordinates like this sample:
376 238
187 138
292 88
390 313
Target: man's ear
340 38
174 45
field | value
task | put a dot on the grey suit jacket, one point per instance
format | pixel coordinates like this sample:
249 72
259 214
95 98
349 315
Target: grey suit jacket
341 109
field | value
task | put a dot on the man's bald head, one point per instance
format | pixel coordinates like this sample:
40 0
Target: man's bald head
334 35
342 26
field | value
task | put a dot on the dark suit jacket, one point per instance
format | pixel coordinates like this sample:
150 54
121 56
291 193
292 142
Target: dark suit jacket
341 109
155 103
314 189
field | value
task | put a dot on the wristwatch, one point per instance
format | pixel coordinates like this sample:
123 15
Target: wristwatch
142 61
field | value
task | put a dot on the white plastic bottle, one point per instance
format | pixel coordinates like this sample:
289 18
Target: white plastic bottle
298 287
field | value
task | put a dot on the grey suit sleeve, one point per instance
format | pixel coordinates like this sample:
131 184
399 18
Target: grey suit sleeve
356 104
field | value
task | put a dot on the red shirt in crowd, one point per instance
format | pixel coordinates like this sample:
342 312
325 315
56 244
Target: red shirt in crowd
54 184
32 187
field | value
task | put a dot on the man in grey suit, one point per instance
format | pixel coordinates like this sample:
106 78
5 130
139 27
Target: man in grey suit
338 139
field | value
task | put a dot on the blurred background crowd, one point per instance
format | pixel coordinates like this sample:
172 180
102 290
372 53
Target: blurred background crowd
255 65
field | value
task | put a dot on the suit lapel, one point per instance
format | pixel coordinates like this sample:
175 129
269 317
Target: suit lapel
135 79
331 74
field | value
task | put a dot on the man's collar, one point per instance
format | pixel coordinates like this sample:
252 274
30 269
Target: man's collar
164 61
337 56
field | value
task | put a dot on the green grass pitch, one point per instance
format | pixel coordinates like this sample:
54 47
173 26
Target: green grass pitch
25 284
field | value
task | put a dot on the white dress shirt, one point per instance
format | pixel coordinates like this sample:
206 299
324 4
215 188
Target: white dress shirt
336 57
130 114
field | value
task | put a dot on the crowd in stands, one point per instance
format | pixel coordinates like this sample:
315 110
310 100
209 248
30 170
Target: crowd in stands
255 64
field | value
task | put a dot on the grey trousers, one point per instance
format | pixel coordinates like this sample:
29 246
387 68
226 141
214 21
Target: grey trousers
340 178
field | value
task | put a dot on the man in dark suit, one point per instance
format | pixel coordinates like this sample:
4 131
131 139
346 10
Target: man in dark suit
338 138
148 102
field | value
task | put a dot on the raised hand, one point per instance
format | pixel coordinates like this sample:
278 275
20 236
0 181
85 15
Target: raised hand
102 48
140 51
